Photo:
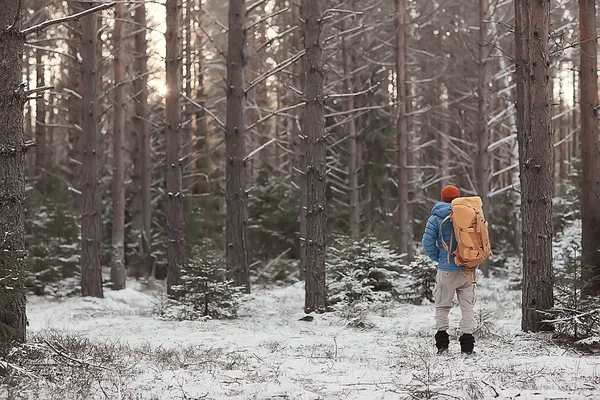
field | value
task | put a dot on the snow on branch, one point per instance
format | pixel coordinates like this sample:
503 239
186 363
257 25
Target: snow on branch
254 152
217 120
274 113
281 66
46 24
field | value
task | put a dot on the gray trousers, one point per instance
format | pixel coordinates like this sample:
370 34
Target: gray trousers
446 285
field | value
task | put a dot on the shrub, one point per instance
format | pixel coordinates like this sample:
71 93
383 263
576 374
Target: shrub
52 238
421 280
362 270
575 315
205 292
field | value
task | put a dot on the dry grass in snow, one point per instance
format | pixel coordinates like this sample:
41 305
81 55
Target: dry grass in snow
114 348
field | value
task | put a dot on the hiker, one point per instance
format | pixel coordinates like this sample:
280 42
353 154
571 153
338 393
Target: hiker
451 278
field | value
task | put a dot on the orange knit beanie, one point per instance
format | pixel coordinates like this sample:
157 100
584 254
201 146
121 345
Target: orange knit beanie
450 193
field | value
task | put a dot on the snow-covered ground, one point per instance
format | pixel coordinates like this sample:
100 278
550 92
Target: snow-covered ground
268 353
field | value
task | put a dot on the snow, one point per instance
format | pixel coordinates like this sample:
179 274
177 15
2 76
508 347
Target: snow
267 353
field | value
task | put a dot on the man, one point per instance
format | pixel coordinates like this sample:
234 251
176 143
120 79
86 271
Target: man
450 277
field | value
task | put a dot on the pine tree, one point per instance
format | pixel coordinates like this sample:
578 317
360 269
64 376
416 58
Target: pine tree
235 142
13 319
316 175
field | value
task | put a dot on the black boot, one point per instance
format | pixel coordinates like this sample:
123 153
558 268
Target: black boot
442 341
467 343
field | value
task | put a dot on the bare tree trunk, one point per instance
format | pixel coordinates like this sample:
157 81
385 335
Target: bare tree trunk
140 122
235 142
91 228
174 162
13 318
482 168
353 165
316 174
30 160
536 161
299 144
118 190
405 240
40 119
74 102
590 144
200 115
188 136
574 121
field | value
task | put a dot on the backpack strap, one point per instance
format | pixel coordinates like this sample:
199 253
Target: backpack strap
446 247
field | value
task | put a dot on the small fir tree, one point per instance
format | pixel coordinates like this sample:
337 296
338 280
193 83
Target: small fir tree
575 315
205 292
421 279
362 270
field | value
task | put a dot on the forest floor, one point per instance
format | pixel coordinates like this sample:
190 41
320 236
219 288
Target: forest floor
114 348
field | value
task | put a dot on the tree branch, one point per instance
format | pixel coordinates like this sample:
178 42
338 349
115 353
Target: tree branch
45 24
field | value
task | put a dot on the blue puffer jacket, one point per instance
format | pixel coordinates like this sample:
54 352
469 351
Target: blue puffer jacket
432 239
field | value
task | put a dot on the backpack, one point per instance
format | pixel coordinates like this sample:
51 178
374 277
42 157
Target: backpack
470 232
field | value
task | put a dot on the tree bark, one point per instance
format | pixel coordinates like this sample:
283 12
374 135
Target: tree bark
404 239
353 163
590 144
316 173
482 167
13 319
536 163
189 83
118 189
91 228
174 162
74 102
40 117
142 221
235 143
299 160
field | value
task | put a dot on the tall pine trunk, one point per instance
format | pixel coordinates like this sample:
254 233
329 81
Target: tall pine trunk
235 143
118 189
41 148
482 168
74 86
143 220
536 161
299 144
91 228
13 319
174 162
353 162
590 144
405 231
316 173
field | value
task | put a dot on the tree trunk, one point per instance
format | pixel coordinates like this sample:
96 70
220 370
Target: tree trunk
29 135
91 228
575 151
188 148
13 319
40 119
590 144
143 221
353 164
316 173
74 102
404 240
174 163
299 144
482 168
235 143
118 190
536 162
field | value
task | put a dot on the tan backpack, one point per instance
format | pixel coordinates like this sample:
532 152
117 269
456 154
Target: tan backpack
470 233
